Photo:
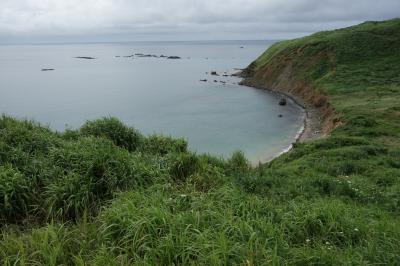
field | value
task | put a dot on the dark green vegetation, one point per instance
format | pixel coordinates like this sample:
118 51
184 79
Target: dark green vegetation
106 195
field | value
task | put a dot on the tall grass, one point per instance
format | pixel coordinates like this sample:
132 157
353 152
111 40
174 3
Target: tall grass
15 195
115 130
106 195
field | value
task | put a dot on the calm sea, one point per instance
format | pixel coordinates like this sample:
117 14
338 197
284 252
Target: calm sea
154 95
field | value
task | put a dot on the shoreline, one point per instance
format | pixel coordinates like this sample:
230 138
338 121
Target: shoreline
312 121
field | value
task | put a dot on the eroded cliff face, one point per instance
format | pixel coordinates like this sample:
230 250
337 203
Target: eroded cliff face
284 74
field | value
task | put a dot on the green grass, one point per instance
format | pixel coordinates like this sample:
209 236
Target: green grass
107 195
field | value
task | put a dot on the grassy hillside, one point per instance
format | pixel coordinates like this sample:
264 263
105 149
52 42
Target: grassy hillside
106 195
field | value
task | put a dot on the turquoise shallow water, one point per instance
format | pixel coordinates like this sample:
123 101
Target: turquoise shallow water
154 95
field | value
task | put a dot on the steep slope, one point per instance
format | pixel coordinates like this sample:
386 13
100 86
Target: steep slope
339 64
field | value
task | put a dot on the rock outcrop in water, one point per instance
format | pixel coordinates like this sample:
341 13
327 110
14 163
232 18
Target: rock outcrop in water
141 55
85 57
282 102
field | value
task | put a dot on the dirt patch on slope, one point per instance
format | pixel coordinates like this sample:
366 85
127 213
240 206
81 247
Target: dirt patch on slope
281 75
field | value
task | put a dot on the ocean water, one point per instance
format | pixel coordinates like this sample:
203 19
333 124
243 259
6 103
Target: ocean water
154 95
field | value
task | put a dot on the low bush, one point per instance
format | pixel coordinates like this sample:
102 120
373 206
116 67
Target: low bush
115 130
238 164
162 145
183 165
16 195
89 170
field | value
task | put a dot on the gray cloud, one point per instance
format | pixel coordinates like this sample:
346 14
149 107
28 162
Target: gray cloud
182 19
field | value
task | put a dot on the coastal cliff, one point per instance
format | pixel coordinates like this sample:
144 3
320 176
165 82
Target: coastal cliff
281 75
314 68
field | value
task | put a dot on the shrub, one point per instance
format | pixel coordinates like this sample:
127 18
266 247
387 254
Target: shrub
87 172
70 134
114 130
16 195
70 196
162 145
183 165
28 136
237 164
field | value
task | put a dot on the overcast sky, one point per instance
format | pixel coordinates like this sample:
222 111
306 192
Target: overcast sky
135 20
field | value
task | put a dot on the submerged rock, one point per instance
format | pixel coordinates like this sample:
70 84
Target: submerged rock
282 102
